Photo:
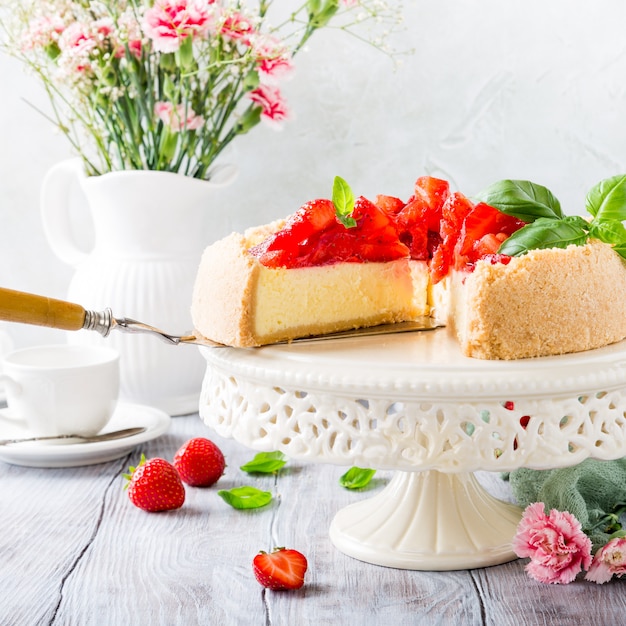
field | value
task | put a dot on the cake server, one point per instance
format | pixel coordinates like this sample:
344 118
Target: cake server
27 308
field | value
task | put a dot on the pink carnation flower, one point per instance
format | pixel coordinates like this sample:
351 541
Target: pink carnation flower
178 117
238 28
168 22
271 100
42 31
609 561
77 39
557 546
76 44
273 60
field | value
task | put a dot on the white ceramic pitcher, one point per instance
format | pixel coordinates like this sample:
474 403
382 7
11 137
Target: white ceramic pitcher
150 229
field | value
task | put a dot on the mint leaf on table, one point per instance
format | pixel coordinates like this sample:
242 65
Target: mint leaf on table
343 199
265 463
546 232
245 497
607 200
357 478
522 199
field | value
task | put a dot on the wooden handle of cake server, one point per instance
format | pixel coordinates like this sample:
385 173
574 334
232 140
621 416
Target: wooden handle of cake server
27 308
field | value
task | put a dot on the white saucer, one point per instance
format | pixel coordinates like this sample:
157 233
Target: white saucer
46 454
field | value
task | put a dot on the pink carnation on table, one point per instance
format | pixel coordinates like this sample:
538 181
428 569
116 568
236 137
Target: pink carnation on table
271 100
238 28
557 546
168 22
178 117
609 561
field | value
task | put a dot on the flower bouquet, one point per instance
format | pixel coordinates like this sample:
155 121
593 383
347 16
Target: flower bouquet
168 85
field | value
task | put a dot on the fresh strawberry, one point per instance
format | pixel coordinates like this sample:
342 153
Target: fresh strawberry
199 462
281 569
155 485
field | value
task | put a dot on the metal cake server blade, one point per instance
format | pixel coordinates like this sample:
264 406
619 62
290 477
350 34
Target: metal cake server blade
26 308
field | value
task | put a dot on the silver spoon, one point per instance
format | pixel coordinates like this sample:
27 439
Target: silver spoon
114 434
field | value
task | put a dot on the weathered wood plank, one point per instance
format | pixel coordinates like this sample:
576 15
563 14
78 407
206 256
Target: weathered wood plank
73 550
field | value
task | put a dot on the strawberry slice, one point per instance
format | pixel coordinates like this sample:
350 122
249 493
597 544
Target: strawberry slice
453 213
412 225
434 192
280 569
389 204
482 220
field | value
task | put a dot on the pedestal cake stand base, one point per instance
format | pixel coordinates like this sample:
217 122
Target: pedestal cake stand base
414 404
428 521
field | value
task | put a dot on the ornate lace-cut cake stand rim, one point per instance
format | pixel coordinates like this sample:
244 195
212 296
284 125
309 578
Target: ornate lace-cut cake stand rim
422 365
334 402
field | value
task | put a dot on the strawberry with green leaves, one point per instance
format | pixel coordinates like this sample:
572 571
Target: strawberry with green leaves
155 485
280 569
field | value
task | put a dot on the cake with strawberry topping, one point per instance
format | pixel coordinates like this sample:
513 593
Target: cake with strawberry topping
507 272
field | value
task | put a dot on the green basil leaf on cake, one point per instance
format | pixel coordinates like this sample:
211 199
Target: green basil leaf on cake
245 497
607 200
522 199
357 478
546 232
609 231
343 199
265 463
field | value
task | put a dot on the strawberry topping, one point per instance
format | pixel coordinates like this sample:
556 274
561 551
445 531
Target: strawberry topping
435 225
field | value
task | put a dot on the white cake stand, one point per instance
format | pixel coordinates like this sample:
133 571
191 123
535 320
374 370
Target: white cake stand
414 404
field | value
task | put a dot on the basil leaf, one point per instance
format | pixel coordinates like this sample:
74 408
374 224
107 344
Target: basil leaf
357 478
343 199
522 199
265 463
620 249
546 232
245 497
607 199
610 231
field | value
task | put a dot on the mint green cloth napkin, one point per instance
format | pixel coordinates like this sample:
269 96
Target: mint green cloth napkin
590 491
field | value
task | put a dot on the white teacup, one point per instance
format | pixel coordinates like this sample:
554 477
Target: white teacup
61 389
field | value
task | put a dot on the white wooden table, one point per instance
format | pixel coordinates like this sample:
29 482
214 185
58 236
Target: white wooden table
73 550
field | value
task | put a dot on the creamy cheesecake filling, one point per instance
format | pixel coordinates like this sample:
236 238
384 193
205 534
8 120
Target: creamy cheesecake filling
312 300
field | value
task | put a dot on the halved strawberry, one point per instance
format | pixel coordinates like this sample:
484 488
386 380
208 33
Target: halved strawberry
280 569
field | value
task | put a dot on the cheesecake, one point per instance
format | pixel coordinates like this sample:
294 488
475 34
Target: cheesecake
325 269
